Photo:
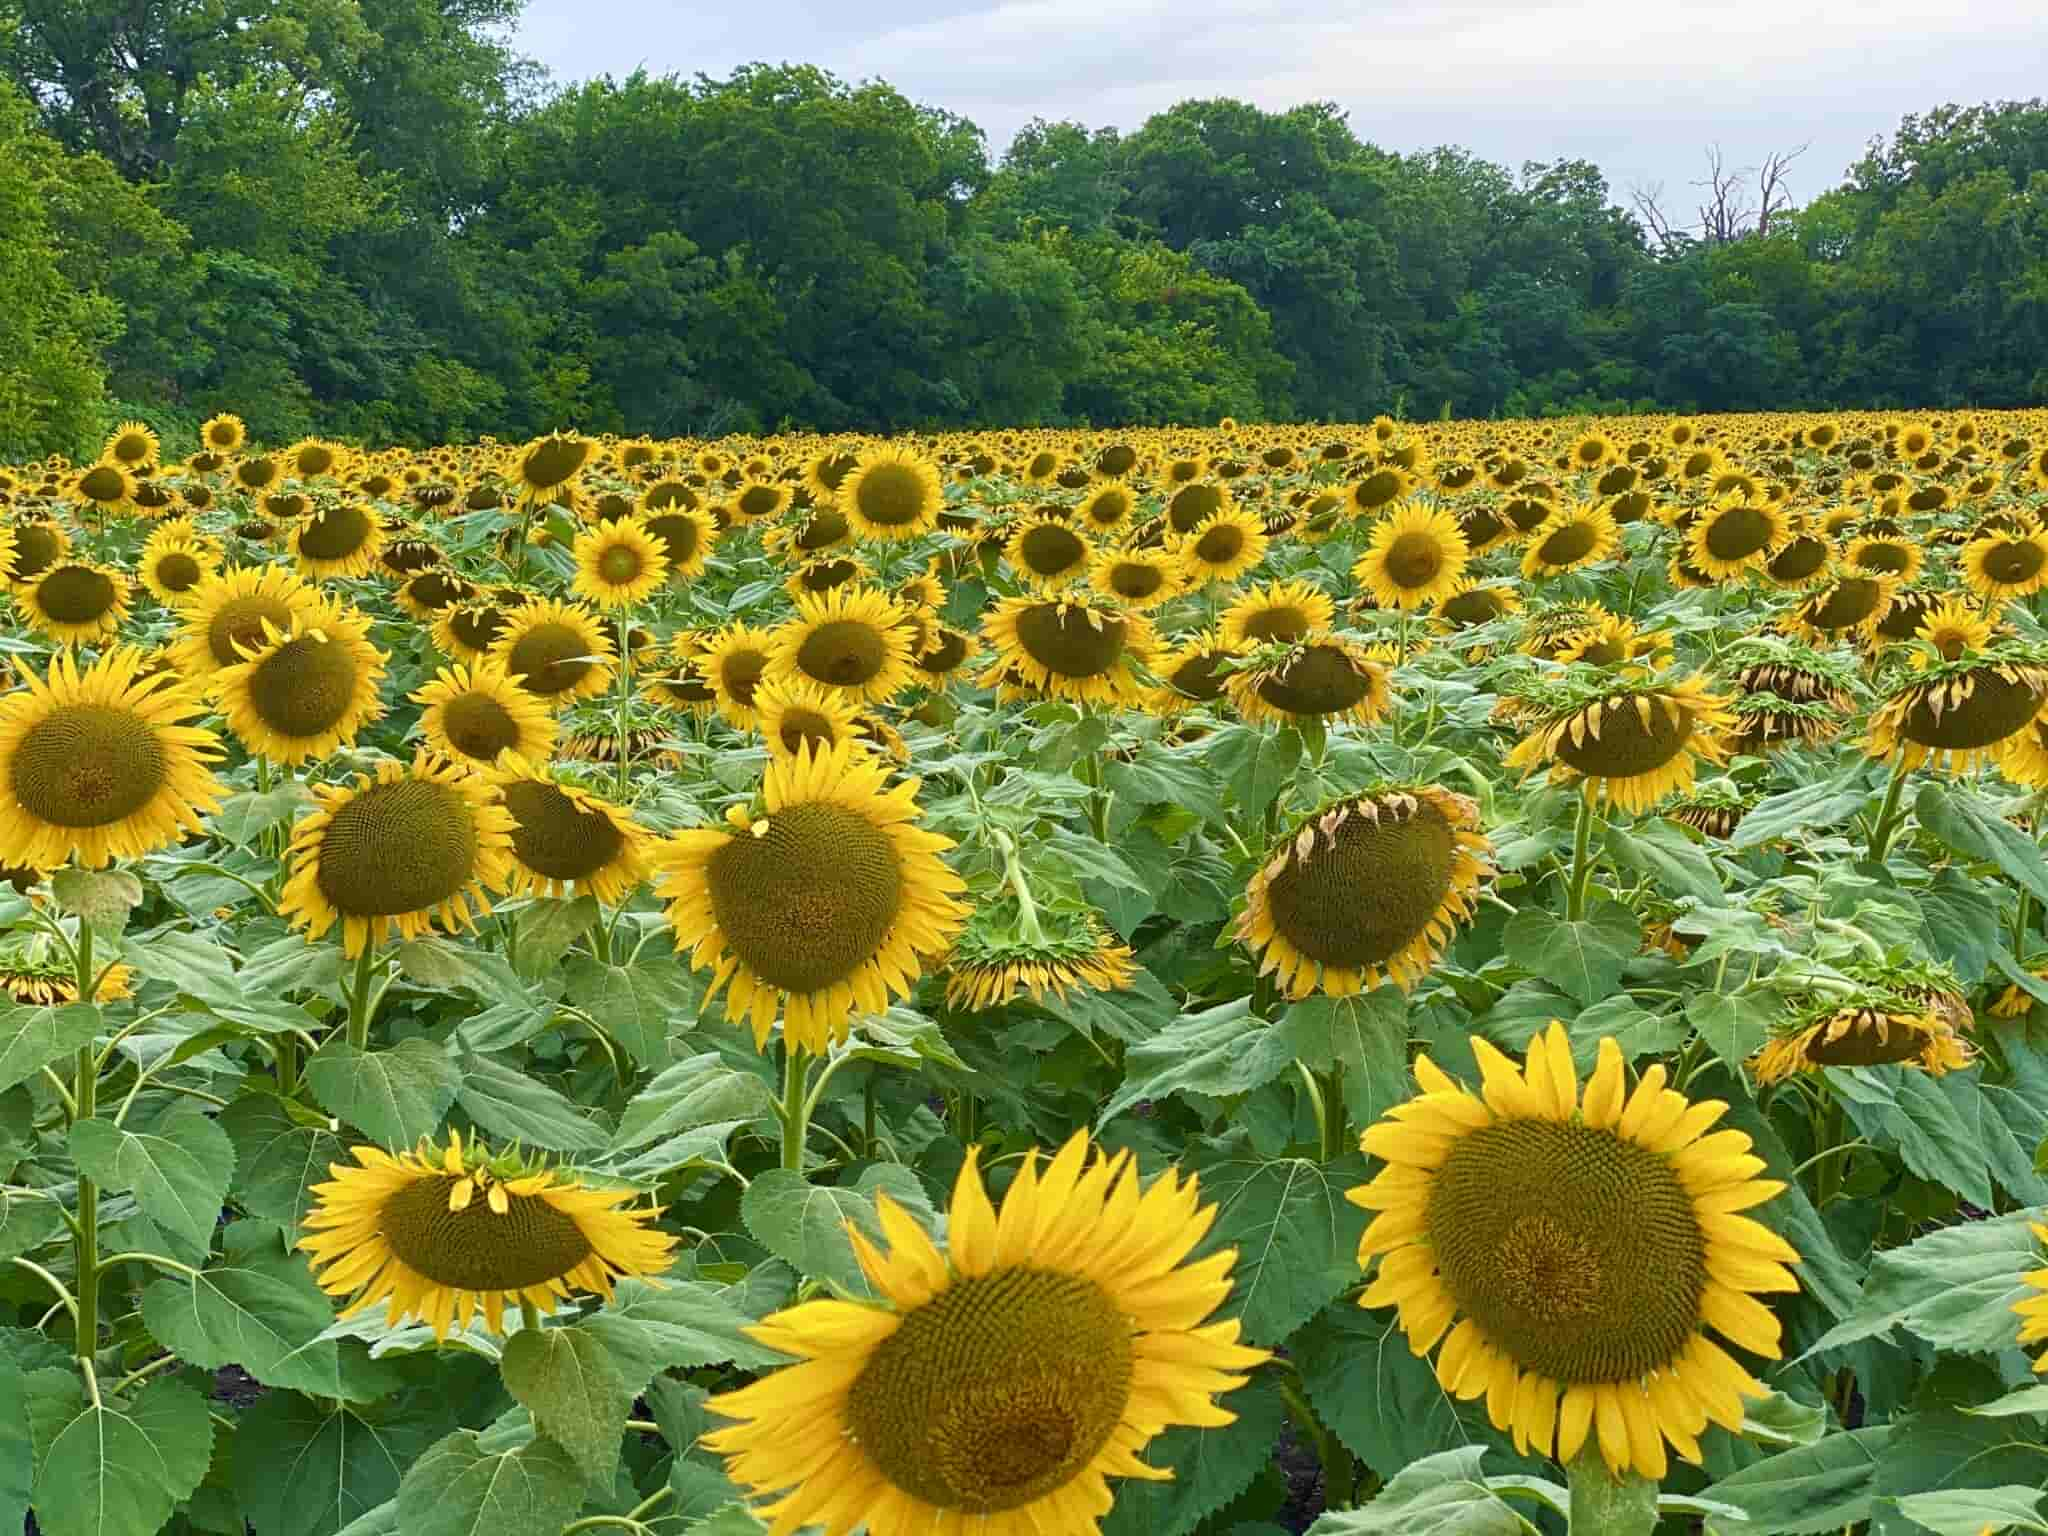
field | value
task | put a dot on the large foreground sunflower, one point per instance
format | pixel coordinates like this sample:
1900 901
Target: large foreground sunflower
403 850
1010 1376
306 689
828 903
96 765
1373 883
1572 1251
441 1233
1632 743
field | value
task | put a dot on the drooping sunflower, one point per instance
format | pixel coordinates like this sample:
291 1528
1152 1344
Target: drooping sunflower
2010 565
1140 579
1010 1376
828 903
174 560
618 564
1282 611
795 711
1740 534
223 434
96 764
891 493
1894 1032
1068 648
1615 642
473 711
341 539
307 689
565 839
848 639
223 615
441 1234
1632 740
76 602
34 972
1413 559
1374 884
734 662
1321 677
1221 548
1004 952
1571 1251
1048 553
1570 539
546 469
558 651
1958 713
409 848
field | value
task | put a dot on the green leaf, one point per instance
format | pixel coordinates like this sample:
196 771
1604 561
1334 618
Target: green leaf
1820 1487
1976 828
1909 1110
1366 1035
241 817
699 1090
395 1096
178 1170
306 1468
1735 1025
1941 1450
1295 1234
1440 1495
1798 813
1157 776
571 1384
636 1005
733 1520
277 1158
1584 958
457 1488
1954 1288
1210 1466
1378 1398
1219 1052
1255 764
1661 850
805 1223
2031 1402
32 1038
120 1468
444 965
547 927
521 1108
101 897
26 1223
203 970
683 1325
1967 1511
17 1446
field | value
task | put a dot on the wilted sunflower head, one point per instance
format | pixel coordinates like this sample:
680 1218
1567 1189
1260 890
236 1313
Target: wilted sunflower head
1321 676
1713 810
1906 1015
1413 559
438 1234
433 590
1956 713
1006 951
305 690
1849 605
1067 647
1373 884
1631 740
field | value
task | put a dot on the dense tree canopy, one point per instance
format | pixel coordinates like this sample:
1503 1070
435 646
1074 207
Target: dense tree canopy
373 219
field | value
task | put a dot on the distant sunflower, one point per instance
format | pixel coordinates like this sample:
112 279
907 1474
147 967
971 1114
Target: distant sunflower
38 544
306 689
1221 548
557 650
1282 611
1614 642
848 639
946 652
1140 579
1010 1376
1373 884
223 433
827 904
1895 556
97 765
433 591
1637 741
1849 605
618 564
466 631
1571 1252
1068 648
545 470
1380 490
734 662
1805 558
796 711
473 711
1738 535
405 850
440 1235
1957 713
257 473
344 539
174 561
891 493
2007 566
565 839
1048 553
1570 539
758 501
1319 677
133 445
1108 508
685 538
999 957
76 602
1413 559
1194 504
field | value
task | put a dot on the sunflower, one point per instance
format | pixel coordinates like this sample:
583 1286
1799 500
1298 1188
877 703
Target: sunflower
1950 628
757 501
1736 536
1957 713
103 487
174 560
891 493
1581 1246
1314 907
545 470
76 602
1320 676
1889 555
133 445
1570 539
35 974
1047 553
466 631
1848 605
1614 642
439 1234
1140 579
1279 611
1108 508
828 903
946 652
1010 1376
734 662
1384 487
795 711
685 538
473 711
1067 648
557 650
1633 741
564 838
1003 953
1900 1033
1194 504
306 689
223 434
257 473
403 850
2006 566
1221 548
97 765
1806 557
1472 603
1413 559
679 684
618 564
848 639
344 539
2033 1310
37 544
224 615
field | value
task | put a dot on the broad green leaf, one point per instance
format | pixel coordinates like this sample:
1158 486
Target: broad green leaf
733 1520
1219 1052
1375 1395
1661 850
1820 1487
1086 859
639 1006
805 1224
26 1223
307 1468
1798 813
1210 1466
101 897
1735 1025
54 1395
2031 1402
395 1096
698 1090
32 1038
546 927
1944 1451
178 1170
1366 1036
1295 1234
443 964
277 1158
204 971
1909 1110
683 1325
17 1446
569 1381
291 964
1441 1495
241 817
1968 1511
520 1108
1254 763
121 1466
1584 958
1954 1288
1157 776
1977 828
457 1488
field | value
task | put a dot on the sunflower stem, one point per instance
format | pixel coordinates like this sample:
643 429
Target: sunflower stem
1335 1128
625 699
795 1114
1604 1505
1582 863
1888 814
84 1104
529 1314
360 1003
1338 1467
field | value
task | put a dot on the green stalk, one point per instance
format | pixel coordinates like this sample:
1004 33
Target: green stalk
1339 1469
625 699
85 1103
795 1115
1582 862
1336 1130
1888 814
359 999
529 1314
1603 1505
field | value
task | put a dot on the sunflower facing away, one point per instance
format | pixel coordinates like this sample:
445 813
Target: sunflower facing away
1896 1031
1004 951
97 765
404 850
826 904
473 712
619 563
306 689
1413 559
76 602
1374 883
1960 712
564 837
1009 1376
850 639
440 1234
1570 1252
557 651
1633 744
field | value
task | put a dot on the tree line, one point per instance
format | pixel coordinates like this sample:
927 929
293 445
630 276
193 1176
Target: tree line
373 219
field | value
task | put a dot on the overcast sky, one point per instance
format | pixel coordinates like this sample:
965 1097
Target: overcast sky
1637 86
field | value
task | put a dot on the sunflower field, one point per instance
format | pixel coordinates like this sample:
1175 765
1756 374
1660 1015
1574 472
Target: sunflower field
1468 978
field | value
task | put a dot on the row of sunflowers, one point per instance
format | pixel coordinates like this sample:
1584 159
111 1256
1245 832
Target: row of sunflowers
1471 976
